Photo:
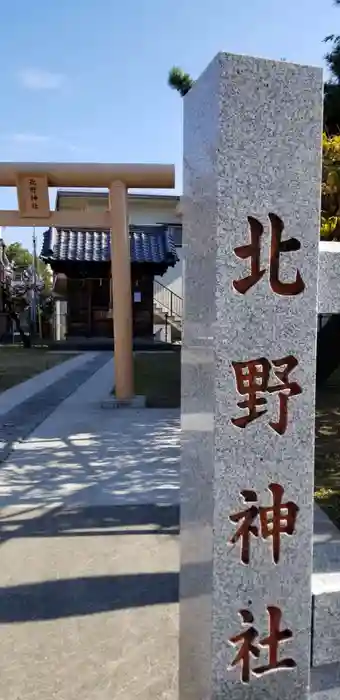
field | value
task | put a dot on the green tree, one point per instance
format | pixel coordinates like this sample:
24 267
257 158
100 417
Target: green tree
332 86
19 255
180 81
44 271
17 298
22 257
330 214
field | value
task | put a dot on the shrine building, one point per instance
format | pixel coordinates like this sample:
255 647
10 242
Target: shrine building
80 261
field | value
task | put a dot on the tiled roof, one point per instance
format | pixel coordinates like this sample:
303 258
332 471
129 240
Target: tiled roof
152 244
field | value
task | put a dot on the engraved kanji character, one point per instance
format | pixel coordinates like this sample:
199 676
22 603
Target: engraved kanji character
278 519
275 520
252 380
252 377
278 246
249 649
253 251
246 528
285 389
275 637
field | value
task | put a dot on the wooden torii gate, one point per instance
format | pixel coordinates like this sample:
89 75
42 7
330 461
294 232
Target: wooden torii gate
32 181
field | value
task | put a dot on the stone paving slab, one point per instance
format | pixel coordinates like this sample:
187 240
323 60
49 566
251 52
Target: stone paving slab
85 457
17 394
22 419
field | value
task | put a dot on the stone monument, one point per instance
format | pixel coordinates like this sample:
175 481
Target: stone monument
251 214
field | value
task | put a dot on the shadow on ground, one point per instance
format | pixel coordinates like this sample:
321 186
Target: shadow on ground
87 595
51 600
91 521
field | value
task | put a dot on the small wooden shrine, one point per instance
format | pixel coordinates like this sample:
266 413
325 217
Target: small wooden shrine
80 260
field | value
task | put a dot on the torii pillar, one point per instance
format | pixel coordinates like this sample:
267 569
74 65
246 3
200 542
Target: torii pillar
121 291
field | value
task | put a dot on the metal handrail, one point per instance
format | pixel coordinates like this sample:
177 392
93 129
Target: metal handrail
168 300
159 284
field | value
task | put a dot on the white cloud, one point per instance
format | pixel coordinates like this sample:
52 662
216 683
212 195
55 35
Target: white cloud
37 79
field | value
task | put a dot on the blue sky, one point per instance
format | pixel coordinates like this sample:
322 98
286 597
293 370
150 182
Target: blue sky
87 80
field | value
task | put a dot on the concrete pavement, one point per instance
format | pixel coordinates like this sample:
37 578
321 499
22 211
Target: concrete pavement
27 406
21 392
85 455
89 553
88 604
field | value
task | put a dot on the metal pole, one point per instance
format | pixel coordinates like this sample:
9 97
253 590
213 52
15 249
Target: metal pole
34 297
166 327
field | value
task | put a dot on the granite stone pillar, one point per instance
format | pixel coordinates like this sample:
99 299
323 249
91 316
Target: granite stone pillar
251 215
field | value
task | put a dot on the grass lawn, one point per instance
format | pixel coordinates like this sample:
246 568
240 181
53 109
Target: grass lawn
18 364
158 377
327 448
